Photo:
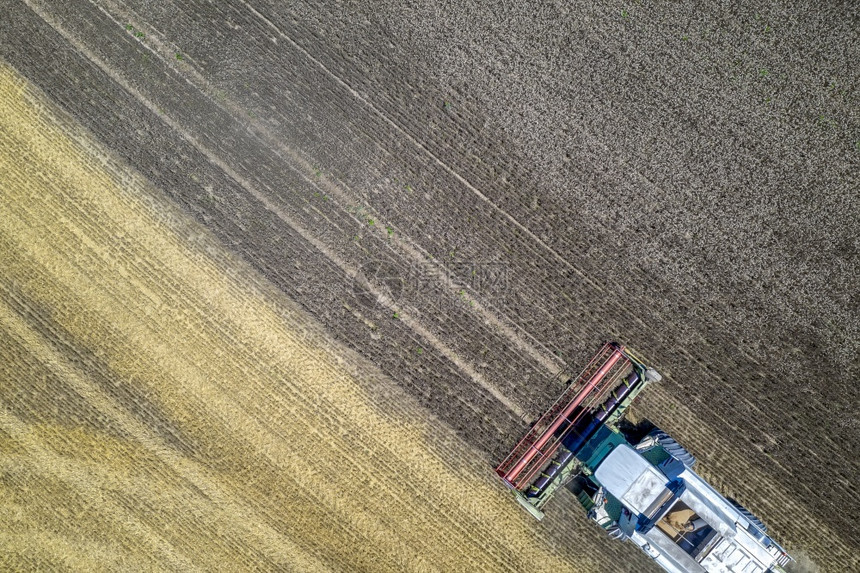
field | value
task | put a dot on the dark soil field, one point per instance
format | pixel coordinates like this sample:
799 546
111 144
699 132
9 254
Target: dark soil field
470 196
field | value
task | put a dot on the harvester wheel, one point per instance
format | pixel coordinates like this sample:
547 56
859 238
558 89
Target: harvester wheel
674 449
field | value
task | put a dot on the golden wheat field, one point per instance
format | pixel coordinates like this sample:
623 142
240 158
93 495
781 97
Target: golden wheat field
164 410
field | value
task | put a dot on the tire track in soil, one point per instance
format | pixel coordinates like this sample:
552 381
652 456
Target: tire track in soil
286 218
514 372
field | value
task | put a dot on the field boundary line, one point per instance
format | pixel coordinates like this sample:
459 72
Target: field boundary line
277 211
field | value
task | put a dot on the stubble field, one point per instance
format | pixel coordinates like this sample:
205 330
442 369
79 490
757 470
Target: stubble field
193 191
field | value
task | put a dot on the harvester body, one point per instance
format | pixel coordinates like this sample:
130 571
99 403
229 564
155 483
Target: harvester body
636 484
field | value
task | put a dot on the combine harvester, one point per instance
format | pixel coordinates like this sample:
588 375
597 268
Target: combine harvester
636 482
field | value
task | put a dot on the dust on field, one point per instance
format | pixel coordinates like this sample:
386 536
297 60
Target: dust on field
162 408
